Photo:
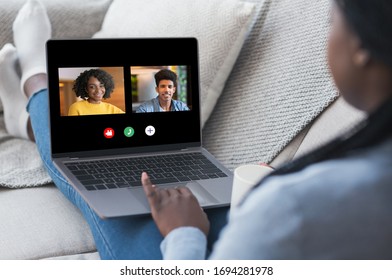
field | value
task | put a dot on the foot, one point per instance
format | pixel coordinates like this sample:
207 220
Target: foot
31 31
13 100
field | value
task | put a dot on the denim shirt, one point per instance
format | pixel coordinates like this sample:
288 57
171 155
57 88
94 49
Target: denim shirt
336 209
153 106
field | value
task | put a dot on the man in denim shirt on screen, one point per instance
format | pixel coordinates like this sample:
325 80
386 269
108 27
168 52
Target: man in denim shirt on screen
166 81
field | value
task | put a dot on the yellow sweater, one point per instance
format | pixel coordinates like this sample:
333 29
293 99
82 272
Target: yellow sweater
86 108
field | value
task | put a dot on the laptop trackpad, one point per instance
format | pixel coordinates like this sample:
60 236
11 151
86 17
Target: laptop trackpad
202 195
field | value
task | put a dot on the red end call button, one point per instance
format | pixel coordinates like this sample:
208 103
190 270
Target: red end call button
108 132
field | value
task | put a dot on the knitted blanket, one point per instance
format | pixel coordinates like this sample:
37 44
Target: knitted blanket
279 84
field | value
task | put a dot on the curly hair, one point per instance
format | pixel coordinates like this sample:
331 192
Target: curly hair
80 84
165 74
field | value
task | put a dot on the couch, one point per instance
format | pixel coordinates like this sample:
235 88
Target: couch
267 96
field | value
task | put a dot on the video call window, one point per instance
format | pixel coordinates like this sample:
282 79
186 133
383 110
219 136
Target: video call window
160 89
91 91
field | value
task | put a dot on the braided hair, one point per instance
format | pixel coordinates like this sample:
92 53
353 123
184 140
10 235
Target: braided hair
371 20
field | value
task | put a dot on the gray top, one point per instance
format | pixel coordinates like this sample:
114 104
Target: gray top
337 209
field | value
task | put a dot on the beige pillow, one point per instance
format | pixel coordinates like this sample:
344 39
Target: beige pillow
220 27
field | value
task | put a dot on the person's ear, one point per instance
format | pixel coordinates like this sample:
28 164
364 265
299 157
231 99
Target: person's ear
361 57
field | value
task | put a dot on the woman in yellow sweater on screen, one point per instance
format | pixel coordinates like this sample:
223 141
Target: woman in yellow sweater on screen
93 86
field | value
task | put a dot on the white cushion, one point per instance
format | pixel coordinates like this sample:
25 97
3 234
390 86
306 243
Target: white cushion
39 223
220 27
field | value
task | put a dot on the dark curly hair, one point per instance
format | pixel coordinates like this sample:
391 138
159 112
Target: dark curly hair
166 74
80 84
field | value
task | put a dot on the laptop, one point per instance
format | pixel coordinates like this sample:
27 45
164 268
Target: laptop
102 154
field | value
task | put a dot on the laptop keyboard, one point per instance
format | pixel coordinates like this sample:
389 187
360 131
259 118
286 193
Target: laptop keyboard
126 172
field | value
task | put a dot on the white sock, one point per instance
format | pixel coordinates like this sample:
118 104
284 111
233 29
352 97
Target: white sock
13 100
31 31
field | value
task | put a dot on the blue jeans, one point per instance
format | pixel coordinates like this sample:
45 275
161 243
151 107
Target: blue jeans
116 238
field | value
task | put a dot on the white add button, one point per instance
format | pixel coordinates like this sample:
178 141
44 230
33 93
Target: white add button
150 130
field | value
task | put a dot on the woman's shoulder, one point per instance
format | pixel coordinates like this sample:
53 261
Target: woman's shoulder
111 107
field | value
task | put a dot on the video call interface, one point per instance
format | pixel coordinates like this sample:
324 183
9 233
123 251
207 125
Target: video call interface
87 88
106 106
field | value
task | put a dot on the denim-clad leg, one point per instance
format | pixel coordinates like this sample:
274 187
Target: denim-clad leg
118 238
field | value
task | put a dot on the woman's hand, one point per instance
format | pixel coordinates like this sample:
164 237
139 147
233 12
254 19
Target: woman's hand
174 207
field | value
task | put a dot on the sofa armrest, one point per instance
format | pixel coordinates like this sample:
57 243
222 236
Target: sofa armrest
334 121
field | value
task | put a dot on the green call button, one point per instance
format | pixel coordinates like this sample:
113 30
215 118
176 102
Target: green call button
129 131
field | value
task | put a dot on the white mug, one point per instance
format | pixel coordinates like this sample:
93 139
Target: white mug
245 177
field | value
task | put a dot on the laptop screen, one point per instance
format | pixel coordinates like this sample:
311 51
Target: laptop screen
108 95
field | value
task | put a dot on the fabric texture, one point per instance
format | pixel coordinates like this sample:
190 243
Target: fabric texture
65 17
220 27
190 241
279 84
39 223
20 163
324 129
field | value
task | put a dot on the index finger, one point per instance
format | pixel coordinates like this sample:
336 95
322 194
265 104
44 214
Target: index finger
148 187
